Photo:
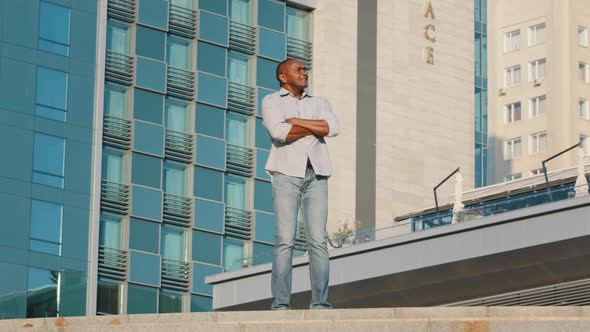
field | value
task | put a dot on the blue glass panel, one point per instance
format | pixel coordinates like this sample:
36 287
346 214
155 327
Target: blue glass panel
209 215
146 170
216 6
144 235
170 302
148 106
147 203
149 138
262 253
200 271
233 254
201 303
272 44
150 43
210 120
42 289
265 227
46 221
207 247
153 13
52 94
211 58
261 94
208 184
263 196
142 300
48 161
210 152
298 24
151 74
262 136
261 158
266 75
13 290
212 90
144 268
271 14
54 28
213 28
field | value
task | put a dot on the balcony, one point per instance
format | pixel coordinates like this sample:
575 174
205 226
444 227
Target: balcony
238 223
112 263
177 210
182 22
116 132
123 10
240 98
119 68
179 146
300 50
242 37
181 83
239 160
114 197
175 275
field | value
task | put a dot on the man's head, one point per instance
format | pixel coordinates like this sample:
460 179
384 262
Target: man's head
292 75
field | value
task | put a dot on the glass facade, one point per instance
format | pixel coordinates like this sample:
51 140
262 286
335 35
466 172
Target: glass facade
481 94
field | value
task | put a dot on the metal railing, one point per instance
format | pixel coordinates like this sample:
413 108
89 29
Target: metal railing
179 146
175 274
123 10
114 197
300 50
181 83
182 22
240 160
116 132
112 263
241 98
177 210
119 68
242 37
238 223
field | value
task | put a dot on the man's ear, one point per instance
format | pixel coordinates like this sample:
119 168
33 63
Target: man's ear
283 78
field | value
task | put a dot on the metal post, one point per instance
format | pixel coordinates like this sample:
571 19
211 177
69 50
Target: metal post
443 181
552 157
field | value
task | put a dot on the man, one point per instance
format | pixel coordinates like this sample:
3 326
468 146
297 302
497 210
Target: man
300 166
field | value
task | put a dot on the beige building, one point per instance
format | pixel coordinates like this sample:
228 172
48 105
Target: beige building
406 123
539 84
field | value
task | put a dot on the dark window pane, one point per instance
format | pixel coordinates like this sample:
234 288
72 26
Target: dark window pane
216 6
170 302
262 253
262 136
201 303
272 44
271 14
207 247
148 106
208 183
211 58
42 293
210 120
266 74
263 196
213 28
107 297
144 235
146 170
149 43
141 299
54 28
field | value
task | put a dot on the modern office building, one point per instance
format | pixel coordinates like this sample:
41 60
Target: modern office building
481 94
538 83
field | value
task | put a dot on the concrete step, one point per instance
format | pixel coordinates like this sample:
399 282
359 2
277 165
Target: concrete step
435 319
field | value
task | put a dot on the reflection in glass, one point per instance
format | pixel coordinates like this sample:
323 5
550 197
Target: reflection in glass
141 299
43 293
170 302
46 221
107 301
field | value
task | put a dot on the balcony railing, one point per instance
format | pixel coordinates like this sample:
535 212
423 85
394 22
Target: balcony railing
119 68
177 210
240 160
238 223
182 22
112 263
123 10
114 197
179 146
176 275
181 83
300 50
242 37
116 132
241 98
300 240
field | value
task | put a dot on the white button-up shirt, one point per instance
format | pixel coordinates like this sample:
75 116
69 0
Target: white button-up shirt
290 158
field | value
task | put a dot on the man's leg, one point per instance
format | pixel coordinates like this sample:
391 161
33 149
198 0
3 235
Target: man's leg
315 216
286 192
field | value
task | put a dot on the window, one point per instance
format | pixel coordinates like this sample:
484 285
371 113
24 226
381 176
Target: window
583 109
233 254
52 94
176 116
235 192
298 24
108 297
583 36
512 76
237 129
46 221
238 68
585 144
188 4
178 55
513 112
170 302
115 101
172 246
110 231
174 179
538 142
537 70
43 293
117 38
48 160
583 72
512 148
512 177
512 41
537 106
54 28
537 34
240 11
113 166
537 171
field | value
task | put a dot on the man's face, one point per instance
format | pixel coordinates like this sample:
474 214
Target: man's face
295 75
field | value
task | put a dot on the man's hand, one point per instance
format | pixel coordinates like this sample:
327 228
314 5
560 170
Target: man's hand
318 128
291 121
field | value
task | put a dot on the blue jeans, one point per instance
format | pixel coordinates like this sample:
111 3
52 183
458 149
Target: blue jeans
288 194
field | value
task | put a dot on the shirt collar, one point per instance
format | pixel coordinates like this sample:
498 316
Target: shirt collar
284 93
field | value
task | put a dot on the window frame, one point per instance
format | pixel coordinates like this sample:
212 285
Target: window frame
508 41
61 176
583 71
535 142
59 241
534 71
533 33
510 148
510 112
582 36
51 108
584 108
510 72
41 39
535 106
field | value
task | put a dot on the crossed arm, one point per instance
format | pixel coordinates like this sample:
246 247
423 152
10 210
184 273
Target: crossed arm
302 127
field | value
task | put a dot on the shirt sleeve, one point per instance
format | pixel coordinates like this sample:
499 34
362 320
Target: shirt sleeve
330 117
274 120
